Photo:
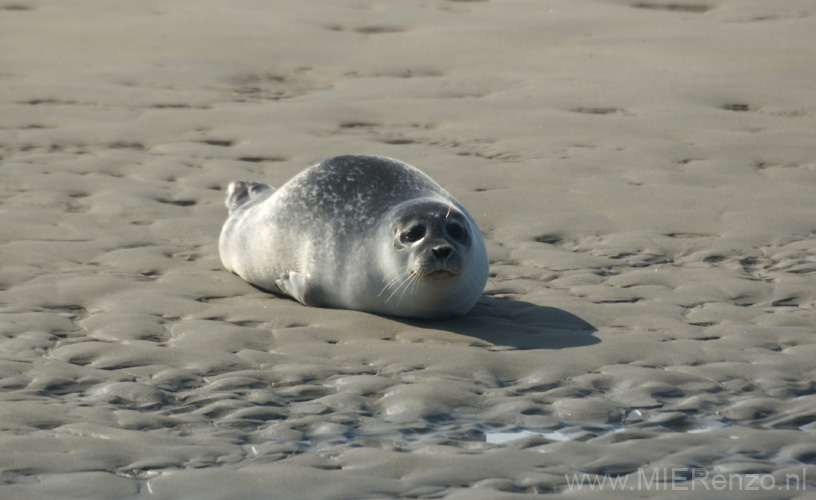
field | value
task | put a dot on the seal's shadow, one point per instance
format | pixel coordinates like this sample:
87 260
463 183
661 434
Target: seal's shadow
518 324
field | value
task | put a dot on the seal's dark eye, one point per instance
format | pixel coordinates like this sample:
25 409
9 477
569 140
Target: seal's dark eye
456 231
414 234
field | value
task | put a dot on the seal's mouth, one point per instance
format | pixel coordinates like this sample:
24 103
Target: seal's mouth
438 274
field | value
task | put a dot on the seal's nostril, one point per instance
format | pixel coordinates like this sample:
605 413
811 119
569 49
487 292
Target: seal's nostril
442 251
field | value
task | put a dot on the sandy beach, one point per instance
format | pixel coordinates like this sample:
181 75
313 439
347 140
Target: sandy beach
644 174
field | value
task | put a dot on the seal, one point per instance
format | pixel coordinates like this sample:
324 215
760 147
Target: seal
357 232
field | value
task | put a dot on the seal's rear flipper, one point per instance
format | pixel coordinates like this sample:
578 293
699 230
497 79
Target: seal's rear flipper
240 192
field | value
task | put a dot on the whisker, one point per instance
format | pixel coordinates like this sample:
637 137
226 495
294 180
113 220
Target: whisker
415 279
397 275
470 280
493 283
414 286
392 294
400 275
402 281
403 286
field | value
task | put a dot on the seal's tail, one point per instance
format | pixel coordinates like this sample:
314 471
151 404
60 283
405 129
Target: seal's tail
240 192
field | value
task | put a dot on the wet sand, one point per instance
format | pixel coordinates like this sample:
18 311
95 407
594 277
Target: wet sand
643 173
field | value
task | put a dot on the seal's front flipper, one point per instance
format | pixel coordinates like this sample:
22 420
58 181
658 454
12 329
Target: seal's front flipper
240 192
296 285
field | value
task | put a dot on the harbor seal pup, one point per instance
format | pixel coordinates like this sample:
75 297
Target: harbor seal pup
357 232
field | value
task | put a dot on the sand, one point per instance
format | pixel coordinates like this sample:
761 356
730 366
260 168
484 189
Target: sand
643 173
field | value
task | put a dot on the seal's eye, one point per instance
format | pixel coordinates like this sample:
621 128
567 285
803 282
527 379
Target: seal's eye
456 231
414 234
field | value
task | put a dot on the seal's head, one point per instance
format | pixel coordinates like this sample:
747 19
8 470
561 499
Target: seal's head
435 264
432 238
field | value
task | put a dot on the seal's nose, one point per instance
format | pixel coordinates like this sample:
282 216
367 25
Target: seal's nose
442 252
